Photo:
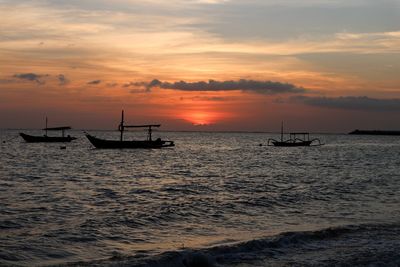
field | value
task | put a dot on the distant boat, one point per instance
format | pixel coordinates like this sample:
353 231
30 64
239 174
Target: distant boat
49 139
295 140
149 143
374 132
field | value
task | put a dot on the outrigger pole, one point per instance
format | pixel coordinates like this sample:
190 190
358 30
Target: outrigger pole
282 131
122 127
149 129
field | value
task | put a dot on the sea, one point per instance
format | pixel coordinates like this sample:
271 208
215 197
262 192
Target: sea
215 199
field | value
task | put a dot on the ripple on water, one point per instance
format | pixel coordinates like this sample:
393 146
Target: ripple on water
82 204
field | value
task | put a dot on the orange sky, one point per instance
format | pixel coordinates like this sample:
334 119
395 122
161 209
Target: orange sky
323 68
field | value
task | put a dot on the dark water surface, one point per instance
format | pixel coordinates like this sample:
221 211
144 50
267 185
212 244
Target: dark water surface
216 199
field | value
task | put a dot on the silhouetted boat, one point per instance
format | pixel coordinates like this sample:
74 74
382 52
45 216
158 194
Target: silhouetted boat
49 139
294 140
46 139
149 143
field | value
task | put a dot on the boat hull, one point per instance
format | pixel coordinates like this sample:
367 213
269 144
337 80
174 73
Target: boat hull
46 139
292 144
114 144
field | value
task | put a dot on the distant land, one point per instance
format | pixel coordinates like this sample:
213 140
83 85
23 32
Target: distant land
374 132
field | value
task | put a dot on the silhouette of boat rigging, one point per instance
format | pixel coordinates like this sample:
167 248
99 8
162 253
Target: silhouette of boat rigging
149 143
49 139
294 140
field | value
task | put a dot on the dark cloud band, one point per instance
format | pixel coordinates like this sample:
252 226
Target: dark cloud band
30 77
95 82
351 102
260 87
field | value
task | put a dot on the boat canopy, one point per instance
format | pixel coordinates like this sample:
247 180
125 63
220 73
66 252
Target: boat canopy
121 127
306 136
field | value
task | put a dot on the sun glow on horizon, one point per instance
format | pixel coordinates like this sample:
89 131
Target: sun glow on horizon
199 118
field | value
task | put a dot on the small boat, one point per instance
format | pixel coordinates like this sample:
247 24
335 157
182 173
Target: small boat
49 139
295 140
149 143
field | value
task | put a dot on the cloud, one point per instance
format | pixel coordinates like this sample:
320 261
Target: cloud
94 82
148 86
62 79
350 102
211 1
31 77
131 84
260 87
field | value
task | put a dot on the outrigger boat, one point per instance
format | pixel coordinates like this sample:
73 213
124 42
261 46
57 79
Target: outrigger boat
294 140
49 139
149 143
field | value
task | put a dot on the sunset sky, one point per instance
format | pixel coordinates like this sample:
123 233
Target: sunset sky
318 65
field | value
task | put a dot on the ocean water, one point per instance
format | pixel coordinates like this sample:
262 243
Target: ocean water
216 199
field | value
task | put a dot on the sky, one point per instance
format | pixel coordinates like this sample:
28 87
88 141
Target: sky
213 65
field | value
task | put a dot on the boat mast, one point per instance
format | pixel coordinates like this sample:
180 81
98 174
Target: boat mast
121 126
282 131
149 134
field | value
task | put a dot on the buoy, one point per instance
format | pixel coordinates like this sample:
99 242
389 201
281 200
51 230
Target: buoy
63 147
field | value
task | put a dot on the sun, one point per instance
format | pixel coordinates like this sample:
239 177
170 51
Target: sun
200 117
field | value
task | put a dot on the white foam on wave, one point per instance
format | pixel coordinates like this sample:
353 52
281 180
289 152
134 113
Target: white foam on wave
345 245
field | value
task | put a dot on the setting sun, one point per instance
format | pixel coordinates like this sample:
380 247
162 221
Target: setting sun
200 117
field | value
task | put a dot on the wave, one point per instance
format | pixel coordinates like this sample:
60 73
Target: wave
351 245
